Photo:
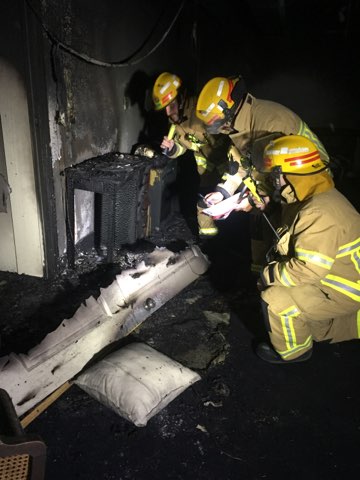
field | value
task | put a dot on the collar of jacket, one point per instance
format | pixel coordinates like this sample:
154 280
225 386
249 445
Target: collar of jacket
242 115
302 187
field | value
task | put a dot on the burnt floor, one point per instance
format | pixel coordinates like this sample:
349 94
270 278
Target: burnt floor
244 419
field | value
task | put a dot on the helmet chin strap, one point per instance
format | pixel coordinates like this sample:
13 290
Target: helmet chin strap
215 127
180 102
181 97
275 178
222 125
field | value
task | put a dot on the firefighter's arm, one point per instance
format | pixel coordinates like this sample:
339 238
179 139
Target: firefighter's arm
311 253
236 171
201 162
248 204
249 187
170 145
255 198
225 190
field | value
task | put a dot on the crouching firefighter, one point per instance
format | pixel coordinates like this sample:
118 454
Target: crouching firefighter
311 292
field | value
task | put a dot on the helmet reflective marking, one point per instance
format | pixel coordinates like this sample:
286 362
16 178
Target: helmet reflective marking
165 87
293 154
220 88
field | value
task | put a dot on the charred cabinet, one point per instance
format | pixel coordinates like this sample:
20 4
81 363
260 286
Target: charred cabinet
114 200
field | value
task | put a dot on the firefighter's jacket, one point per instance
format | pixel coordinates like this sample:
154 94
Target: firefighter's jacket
190 134
253 124
321 246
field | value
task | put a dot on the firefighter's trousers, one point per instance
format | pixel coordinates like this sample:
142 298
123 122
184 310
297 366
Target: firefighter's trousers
206 224
296 316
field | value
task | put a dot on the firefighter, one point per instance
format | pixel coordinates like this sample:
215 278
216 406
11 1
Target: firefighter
310 291
225 106
187 132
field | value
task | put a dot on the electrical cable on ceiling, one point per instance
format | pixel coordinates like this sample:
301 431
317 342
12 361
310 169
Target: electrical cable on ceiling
94 61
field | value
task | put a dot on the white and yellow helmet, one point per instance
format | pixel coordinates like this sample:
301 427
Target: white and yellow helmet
165 90
215 99
293 155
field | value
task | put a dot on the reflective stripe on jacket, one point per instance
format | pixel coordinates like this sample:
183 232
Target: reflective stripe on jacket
191 135
321 246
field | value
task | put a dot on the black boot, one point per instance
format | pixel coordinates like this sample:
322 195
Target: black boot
268 354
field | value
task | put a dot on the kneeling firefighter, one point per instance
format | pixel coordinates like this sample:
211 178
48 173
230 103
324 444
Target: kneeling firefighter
311 290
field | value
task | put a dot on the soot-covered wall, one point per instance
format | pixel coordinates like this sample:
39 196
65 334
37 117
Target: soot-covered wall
302 55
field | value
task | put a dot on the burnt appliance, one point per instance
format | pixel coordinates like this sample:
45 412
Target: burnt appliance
114 200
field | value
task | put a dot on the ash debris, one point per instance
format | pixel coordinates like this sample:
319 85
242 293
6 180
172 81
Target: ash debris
32 307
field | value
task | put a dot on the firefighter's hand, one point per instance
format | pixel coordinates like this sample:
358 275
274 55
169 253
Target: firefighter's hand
213 198
260 205
244 206
167 144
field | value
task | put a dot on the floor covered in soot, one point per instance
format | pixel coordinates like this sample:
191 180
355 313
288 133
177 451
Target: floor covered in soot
245 419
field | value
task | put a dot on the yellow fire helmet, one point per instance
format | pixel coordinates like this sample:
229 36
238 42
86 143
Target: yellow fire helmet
215 99
165 89
293 155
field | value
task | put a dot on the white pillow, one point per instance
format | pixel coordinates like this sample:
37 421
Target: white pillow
136 381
